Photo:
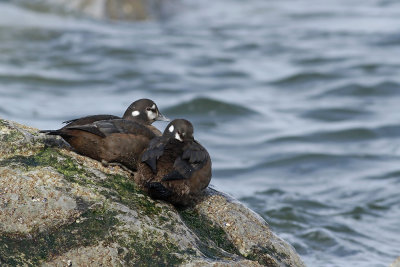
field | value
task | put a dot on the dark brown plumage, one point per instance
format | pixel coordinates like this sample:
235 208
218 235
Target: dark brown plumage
143 111
113 140
175 167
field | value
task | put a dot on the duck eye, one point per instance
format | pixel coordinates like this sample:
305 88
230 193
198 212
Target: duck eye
148 108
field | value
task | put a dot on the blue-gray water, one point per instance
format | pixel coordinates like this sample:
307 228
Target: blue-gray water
296 101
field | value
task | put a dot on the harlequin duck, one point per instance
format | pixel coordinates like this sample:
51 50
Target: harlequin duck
175 167
109 141
143 111
113 140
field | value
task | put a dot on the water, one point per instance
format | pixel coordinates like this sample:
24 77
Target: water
296 101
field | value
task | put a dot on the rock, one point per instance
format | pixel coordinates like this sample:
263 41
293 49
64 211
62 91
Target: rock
109 9
58 208
396 263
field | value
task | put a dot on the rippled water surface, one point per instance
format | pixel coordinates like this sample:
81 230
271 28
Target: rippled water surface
296 101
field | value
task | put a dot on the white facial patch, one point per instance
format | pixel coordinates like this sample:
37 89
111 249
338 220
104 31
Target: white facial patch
177 137
171 128
153 106
135 113
151 115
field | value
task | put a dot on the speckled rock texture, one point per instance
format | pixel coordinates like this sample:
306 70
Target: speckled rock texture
58 208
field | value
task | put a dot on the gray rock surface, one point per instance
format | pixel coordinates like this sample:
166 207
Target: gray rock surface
59 208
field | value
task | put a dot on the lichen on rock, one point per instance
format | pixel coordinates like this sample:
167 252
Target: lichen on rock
59 208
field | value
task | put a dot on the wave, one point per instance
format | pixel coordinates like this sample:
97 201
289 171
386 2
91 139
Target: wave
38 79
320 60
298 163
305 78
345 135
387 88
388 40
376 68
207 106
312 161
334 114
395 175
320 237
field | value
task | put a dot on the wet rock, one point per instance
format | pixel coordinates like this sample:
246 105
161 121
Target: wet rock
58 208
248 232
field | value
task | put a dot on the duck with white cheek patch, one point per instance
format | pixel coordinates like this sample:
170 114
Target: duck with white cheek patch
175 167
143 111
114 140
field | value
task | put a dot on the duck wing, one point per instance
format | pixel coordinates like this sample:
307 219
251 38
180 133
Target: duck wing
89 119
105 128
193 158
154 152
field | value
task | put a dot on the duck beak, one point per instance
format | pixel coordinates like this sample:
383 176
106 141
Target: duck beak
161 117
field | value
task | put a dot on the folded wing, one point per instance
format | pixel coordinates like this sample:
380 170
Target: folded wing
194 157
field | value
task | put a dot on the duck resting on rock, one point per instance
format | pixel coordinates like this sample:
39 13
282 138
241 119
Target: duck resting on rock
175 167
143 111
113 140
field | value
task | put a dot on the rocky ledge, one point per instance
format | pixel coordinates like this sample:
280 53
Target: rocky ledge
58 208
128 10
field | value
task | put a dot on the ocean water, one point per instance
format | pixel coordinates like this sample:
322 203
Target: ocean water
296 101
